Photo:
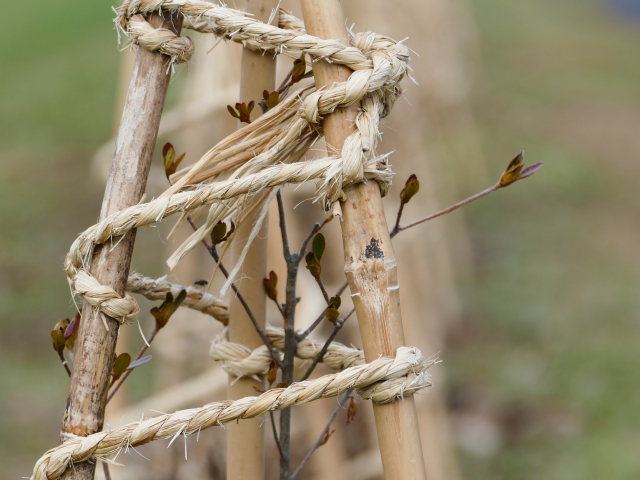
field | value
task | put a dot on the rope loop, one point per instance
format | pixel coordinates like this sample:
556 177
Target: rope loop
179 49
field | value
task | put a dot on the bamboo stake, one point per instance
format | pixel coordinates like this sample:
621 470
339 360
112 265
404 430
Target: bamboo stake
370 263
89 385
245 440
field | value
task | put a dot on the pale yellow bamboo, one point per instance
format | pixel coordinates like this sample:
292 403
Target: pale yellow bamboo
245 440
370 263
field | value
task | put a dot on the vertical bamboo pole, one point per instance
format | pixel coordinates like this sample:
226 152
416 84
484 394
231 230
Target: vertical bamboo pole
84 413
370 263
245 440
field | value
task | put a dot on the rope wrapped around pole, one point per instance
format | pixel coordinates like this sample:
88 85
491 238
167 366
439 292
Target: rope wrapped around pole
383 380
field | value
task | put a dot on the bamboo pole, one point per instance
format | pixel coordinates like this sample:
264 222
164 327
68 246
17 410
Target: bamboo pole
89 385
245 440
370 263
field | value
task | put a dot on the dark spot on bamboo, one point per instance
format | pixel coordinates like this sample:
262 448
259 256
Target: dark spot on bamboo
373 250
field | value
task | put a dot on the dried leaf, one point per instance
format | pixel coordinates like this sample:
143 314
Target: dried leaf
335 302
332 314
326 437
242 111
411 187
170 164
163 313
219 233
318 246
270 286
120 365
233 113
272 374
312 265
512 173
165 148
352 411
299 67
57 340
168 153
62 325
179 299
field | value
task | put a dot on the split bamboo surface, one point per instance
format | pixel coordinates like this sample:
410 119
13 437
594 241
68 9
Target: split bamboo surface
95 353
245 440
370 263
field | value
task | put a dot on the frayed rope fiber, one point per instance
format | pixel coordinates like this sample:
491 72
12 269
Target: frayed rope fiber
262 156
382 381
379 64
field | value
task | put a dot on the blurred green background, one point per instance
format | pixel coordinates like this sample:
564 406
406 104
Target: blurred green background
547 352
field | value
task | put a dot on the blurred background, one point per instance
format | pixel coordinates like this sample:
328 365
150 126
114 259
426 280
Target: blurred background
530 296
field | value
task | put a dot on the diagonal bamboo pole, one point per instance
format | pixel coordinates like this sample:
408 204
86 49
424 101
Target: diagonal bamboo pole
245 440
370 263
84 413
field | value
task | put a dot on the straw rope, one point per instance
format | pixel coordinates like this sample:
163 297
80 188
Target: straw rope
379 63
197 297
241 361
264 155
382 381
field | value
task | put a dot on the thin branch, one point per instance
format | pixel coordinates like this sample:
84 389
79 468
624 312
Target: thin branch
279 307
285 83
316 228
275 434
65 364
214 254
318 320
397 229
339 324
283 227
322 435
116 386
322 289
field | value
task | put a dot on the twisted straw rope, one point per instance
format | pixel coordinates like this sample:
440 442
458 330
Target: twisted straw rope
126 309
379 63
197 298
241 361
382 381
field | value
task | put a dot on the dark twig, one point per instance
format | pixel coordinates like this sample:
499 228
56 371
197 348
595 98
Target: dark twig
318 320
65 364
322 289
116 386
340 406
397 229
515 171
214 254
275 433
290 341
283 227
338 325
279 307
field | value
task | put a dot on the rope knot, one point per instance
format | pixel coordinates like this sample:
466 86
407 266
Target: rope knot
178 48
